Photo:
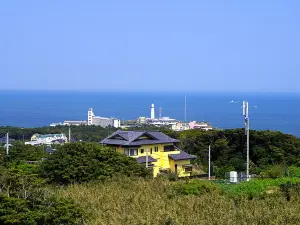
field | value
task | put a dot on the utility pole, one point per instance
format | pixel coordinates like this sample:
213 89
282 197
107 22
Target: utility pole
147 158
7 144
69 134
246 119
209 162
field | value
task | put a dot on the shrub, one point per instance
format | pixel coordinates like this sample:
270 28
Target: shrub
274 172
294 171
168 176
49 211
197 187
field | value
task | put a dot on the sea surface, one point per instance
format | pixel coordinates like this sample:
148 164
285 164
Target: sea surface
272 111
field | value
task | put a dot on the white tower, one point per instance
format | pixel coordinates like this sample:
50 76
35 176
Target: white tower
90 116
152 112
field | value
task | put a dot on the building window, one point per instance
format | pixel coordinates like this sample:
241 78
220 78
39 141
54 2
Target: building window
131 152
155 149
150 150
188 169
142 151
168 148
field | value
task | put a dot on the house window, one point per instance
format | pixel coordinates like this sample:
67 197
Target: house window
150 150
188 169
131 152
142 151
168 148
155 149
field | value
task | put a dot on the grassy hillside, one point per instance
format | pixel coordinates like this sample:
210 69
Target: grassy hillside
162 202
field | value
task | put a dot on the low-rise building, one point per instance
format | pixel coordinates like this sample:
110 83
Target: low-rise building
47 139
155 150
180 126
141 120
75 123
200 125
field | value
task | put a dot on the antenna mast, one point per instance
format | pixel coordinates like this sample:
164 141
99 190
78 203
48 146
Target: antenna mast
160 111
209 162
185 111
246 119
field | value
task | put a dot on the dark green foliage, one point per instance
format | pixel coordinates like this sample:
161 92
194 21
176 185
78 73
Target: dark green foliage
229 150
49 211
18 183
81 162
24 199
275 172
21 152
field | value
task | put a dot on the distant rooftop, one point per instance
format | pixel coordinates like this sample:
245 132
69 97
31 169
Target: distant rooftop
48 135
181 156
137 138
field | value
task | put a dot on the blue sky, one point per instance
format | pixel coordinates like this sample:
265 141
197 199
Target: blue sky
150 45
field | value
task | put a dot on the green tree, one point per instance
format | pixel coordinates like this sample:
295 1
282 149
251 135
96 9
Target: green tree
81 162
21 152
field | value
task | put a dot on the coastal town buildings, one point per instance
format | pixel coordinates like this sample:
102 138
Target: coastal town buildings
160 121
157 151
47 139
91 120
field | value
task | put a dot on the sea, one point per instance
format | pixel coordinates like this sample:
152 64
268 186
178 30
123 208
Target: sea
271 111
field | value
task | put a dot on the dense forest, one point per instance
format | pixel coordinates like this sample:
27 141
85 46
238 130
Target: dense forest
228 149
267 148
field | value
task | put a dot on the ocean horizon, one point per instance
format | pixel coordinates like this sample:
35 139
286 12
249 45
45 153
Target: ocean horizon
268 111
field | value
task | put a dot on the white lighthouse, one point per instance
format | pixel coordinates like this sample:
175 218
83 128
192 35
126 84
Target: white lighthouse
152 112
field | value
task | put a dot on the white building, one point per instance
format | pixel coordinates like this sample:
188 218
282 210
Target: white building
102 121
56 124
75 123
179 126
47 139
200 125
164 121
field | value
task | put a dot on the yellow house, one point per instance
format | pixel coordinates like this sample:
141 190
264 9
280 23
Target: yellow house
155 150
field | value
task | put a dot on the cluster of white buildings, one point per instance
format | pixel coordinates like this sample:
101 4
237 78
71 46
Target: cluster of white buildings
175 124
161 121
47 139
154 121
